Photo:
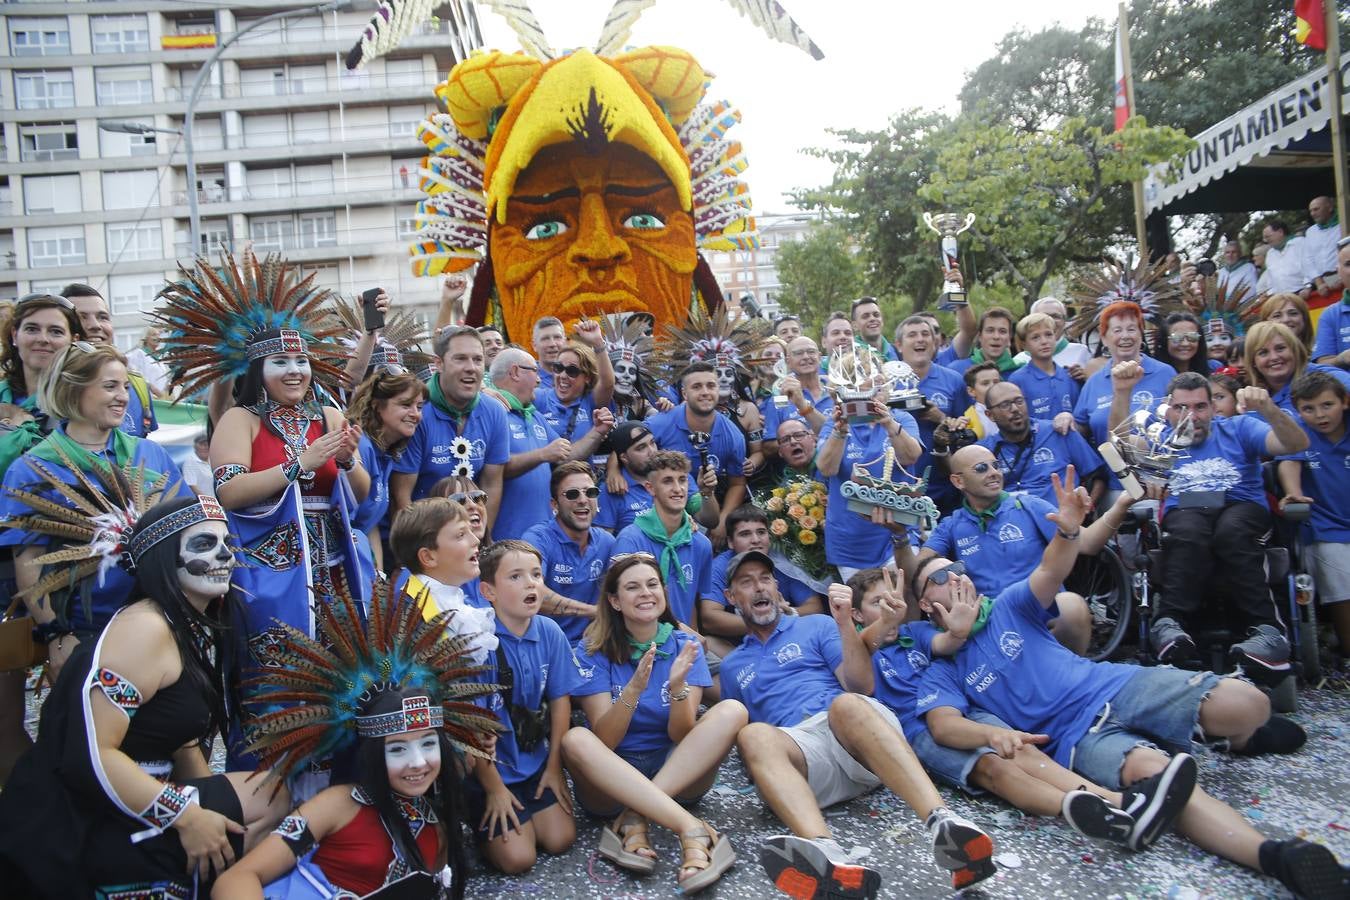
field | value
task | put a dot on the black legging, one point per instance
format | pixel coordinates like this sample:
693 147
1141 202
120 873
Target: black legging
1218 552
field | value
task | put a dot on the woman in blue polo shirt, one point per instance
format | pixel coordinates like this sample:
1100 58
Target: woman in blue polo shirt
581 383
388 407
1274 357
646 753
1122 329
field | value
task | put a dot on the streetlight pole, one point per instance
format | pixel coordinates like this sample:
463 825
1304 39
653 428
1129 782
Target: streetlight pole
194 214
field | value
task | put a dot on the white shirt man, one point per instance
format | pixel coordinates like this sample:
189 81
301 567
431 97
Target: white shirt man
1284 259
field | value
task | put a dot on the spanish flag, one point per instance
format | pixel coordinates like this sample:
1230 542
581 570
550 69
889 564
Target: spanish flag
1310 29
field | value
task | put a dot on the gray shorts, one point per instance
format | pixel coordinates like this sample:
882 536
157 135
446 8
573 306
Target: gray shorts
1329 565
832 772
949 764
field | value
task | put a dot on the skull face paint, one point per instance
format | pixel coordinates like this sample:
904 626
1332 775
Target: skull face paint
726 378
625 373
205 561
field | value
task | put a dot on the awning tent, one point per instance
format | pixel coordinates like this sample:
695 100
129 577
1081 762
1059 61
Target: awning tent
1273 154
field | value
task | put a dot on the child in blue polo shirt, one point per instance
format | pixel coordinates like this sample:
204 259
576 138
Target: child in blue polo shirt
1050 390
1320 475
522 803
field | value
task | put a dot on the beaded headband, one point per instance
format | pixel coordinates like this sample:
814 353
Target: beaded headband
287 341
206 509
417 714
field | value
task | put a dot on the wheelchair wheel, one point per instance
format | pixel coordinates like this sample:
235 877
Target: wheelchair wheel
1309 649
1103 582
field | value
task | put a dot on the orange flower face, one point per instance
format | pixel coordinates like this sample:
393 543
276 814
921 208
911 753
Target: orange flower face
590 235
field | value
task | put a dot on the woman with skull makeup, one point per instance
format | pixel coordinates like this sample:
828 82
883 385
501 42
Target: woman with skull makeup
117 794
85 390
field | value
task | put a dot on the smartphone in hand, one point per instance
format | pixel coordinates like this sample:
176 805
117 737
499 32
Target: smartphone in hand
373 317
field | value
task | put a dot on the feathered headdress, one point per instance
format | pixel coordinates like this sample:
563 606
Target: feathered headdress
712 339
93 533
328 687
400 342
1234 304
1143 283
211 317
628 345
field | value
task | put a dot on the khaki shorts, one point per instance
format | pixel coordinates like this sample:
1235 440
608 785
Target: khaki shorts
1329 565
834 775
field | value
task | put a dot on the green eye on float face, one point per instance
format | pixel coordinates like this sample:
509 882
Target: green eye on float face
542 231
643 222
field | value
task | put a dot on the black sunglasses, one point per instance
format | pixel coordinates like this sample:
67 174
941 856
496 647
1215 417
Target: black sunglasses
63 302
572 371
941 576
980 468
575 493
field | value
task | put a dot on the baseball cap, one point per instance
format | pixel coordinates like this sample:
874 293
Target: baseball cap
741 559
626 434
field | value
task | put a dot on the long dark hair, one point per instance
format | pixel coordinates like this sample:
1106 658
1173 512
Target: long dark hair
608 633
157 580
445 795
1162 349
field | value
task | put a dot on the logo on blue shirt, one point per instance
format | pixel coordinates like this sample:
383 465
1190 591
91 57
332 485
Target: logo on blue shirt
1009 533
1010 642
788 653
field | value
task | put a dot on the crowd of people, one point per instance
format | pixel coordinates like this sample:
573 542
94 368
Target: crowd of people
543 573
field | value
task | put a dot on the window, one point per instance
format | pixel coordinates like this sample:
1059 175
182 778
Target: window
313 181
131 241
310 127
268 184
130 190
134 293
404 72
279 81
48 247
117 143
44 90
47 141
407 229
215 234
403 120
265 131
272 233
318 229
326 274
119 34
307 79
123 85
51 194
39 37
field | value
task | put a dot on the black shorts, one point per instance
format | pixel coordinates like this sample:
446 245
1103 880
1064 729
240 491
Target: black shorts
523 791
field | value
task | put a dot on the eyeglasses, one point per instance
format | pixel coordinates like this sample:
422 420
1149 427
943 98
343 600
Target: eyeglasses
1184 337
805 351
575 493
980 468
63 302
527 368
572 371
1010 403
942 575
462 497
797 437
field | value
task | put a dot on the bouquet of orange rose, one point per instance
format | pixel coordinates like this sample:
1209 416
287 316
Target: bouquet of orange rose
796 511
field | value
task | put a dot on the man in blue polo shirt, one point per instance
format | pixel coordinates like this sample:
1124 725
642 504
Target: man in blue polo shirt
533 445
1214 524
1115 723
633 445
459 434
944 390
695 429
1029 449
668 532
1332 347
808 400
818 738
869 328
853 542
575 552
96 319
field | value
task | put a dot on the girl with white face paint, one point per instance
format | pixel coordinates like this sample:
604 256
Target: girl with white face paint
128 729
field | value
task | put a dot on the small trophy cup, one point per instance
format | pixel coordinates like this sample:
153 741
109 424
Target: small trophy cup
949 225
905 392
855 376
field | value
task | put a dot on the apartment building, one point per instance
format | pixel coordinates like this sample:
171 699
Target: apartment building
749 278
292 151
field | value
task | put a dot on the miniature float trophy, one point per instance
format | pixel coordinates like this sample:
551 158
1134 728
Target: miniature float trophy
1142 451
908 501
904 387
855 376
949 225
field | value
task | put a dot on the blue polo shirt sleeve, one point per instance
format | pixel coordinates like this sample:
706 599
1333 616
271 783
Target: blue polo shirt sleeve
1085 459
1038 510
410 461
795 591
940 540
940 685
826 639
495 432
1329 332
703 568
717 577
564 676
1252 433
629 540
731 686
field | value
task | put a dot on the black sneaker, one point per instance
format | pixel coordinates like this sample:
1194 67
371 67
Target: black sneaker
1172 645
1310 871
960 846
1278 735
1156 801
1263 656
1094 817
816 869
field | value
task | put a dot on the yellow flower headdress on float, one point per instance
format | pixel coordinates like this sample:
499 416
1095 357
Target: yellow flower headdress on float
586 183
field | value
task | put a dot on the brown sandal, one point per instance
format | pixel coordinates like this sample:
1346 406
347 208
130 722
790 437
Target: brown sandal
619 844
708 854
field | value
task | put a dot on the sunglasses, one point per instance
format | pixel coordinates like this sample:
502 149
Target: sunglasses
575 493
570 370
83 346
637 554
980 468
63 302
943 575
1184 337
393 369
462 497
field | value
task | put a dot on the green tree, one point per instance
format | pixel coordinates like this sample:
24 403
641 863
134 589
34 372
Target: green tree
1039 196
819 273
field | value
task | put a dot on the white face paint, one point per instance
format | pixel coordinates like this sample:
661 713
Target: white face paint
726 381
413 761
625 376
205 561
286 376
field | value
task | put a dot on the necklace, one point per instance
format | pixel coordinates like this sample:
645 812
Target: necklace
292 423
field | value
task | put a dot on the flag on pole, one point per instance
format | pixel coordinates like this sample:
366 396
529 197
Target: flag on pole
1310 30
1123 111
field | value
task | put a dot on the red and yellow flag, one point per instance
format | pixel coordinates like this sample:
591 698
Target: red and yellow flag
1311 28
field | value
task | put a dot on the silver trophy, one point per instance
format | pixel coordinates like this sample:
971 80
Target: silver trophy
1143 449
949 225
905 392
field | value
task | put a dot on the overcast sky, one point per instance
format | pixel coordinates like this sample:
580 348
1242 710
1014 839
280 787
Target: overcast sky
881 56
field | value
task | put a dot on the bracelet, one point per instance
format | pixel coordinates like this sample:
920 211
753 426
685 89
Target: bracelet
624 700
1070 537
164 810
682 695
348 465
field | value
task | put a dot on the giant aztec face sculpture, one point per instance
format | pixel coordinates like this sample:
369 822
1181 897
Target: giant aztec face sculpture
584 184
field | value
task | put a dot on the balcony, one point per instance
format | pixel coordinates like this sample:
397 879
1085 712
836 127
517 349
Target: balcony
307 247
322 191
349 83
48 155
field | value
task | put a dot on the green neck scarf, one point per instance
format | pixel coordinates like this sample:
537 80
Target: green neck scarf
438 400
982 617
985 516
1005 362
1333 222
525 409
123 448
651 525
663 631
1061 344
